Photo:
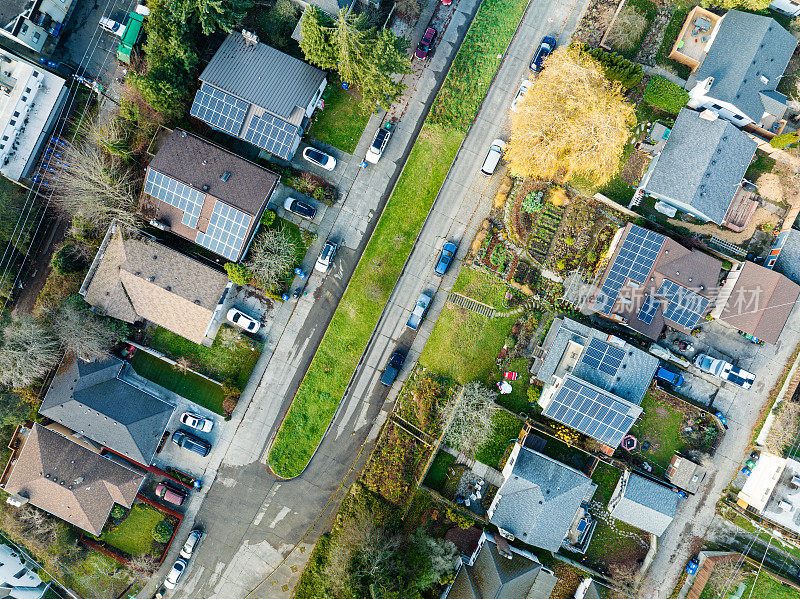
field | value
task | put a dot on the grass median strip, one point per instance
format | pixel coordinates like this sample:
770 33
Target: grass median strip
344 342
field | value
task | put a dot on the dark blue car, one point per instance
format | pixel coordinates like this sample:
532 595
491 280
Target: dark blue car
545 49
443 263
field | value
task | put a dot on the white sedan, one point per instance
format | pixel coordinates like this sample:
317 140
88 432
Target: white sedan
523 89
320 158
197 422
175 574
242 320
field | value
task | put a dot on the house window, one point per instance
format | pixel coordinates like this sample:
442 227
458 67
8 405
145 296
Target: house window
35 74
24 28
12 122
738 117
28 89
5 138
36 37
24 98
716 107
21 573
16 113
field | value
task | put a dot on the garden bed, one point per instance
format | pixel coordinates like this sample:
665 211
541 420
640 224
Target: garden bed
482 287
305 182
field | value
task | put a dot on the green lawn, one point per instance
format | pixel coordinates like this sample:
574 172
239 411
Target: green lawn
762 164
506 429
670 35
187 384
463 345
233 361
134 535
767 587
438 470
660 424
481 286
342 121
517 401
606 478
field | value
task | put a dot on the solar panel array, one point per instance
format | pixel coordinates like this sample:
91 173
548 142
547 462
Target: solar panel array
603 357
649 309
592 412
173 192
219 109
685 306
271 134
226 231
634 261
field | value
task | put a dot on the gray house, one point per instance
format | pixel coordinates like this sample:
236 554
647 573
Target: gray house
701 168
739 75
643 503
94 400
541 500
259 94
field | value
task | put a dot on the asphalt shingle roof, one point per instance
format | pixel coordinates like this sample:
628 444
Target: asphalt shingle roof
538 501
788 262
90 398
745 48
262 76
70 481
645 504
702 164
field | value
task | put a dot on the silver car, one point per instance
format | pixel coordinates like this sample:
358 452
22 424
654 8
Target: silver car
192 543
176 573
196 421
326 256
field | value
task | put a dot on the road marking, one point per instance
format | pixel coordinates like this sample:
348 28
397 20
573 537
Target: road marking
281 515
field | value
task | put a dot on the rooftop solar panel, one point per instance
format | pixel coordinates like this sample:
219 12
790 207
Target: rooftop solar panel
685 307
171 191
592 412
635 260
649 309
219 109
272 134
226 231
603 356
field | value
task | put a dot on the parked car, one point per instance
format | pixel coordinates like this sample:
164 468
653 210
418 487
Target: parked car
300 208
445 258
418 313
546 48
176 573
243 321
112 26
197 421
725 370
378 144
396 361
493 157
191 443
523 89
425 44
674 379
192 543
170 493
692 566
320 158
326 256
447 2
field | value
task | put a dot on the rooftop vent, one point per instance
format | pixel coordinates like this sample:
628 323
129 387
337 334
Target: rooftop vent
206 188
183 133
764 79
225 176
151 279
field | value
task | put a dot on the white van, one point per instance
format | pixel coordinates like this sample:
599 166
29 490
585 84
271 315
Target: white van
493 157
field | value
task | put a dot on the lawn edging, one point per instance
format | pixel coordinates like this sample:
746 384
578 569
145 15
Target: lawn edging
316 401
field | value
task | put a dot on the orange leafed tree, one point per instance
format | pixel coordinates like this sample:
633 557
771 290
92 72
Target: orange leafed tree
571 122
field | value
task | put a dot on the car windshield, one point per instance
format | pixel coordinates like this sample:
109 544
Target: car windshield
236 317
379 139
318 156
326 252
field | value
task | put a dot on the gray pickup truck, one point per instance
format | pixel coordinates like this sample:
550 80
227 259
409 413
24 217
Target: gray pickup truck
423 301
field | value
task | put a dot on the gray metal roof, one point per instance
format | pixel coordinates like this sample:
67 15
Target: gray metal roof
645 504
702 164
788 262
262 76
746 48
538 501
90 398
632 378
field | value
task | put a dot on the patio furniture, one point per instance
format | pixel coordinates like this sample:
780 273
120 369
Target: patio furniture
702 23
510 376
695 31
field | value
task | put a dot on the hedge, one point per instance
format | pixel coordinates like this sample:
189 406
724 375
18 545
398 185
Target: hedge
666 95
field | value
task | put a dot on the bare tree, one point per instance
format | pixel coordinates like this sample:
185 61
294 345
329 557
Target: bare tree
81 331
468 419
785 427
38 525
272 257
628 28
28 353
573 121
142 566
96 187
725 577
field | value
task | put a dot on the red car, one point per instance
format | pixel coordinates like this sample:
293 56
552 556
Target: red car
170 493
425 44
447 2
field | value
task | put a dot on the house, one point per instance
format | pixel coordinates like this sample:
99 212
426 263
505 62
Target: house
760 301
500 571
206 194
783 506
739 69
541 500
700 170
643 503
786 7
685 474
652 281
18 577
34 23
70 479
134 278
99 402
259 94
581 362
761 482
30 101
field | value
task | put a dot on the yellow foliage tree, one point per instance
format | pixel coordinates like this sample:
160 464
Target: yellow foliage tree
572 121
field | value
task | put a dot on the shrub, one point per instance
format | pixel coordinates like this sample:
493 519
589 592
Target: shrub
628 28
459 519
665 95
618 68
67 260
498 256
569 240
268 218
534 393
239 274
162 533
784 140
118 512
532 202
228 405
511 342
